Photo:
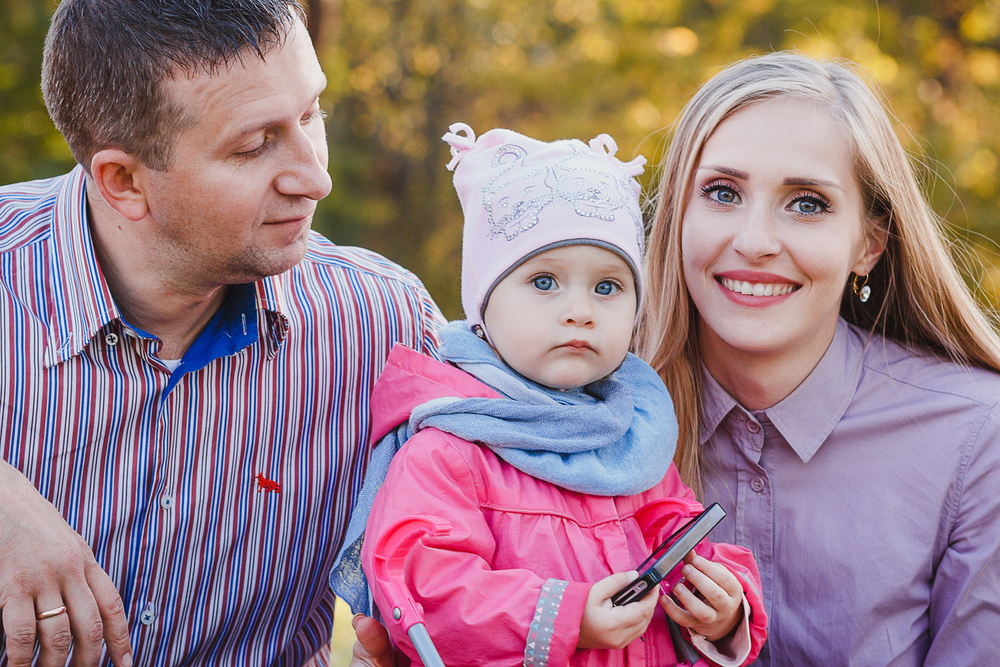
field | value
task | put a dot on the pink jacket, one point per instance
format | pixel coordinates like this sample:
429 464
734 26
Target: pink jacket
516 541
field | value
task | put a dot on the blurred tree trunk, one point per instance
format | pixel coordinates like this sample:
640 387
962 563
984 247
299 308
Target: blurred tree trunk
315 22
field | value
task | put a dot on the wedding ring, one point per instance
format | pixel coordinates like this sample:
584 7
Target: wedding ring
51 613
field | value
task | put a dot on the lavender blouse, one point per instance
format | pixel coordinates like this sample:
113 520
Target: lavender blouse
870 497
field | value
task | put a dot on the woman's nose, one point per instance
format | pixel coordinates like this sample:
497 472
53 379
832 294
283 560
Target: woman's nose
757 237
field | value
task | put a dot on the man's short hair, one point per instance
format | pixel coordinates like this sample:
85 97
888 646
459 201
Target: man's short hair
105 61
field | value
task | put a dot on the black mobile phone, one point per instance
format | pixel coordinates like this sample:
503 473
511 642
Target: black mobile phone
664 564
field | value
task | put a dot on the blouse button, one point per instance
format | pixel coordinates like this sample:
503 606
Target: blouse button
111 339
757 484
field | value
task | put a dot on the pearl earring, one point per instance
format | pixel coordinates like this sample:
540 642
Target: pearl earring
863 291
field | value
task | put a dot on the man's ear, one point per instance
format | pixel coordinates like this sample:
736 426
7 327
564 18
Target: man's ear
114 172
877 236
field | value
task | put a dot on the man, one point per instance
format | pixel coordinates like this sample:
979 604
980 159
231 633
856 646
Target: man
186 368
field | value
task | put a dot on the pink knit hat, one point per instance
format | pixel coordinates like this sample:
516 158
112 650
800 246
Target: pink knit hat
521 196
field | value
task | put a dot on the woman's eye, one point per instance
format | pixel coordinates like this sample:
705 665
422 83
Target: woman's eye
543 283
809 205
725 196
606 287
721 193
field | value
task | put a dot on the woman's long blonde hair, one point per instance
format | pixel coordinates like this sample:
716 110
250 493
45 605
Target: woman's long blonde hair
918 296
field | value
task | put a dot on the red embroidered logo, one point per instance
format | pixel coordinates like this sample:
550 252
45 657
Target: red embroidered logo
267 485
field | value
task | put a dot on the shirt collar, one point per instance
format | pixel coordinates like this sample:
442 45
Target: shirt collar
80 303
807 416
716 403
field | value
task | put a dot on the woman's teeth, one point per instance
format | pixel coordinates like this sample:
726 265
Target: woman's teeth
756 289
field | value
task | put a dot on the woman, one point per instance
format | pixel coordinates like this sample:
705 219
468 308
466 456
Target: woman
837 386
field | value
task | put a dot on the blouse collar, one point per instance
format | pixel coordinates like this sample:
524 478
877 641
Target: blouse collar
807 416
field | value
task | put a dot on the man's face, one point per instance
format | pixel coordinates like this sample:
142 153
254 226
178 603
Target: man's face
237 202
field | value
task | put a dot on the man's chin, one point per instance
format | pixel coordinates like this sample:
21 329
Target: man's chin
256 265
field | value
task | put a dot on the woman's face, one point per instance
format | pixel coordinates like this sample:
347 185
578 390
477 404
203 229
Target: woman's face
773 227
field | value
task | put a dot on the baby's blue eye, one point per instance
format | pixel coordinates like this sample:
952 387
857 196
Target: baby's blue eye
606 288
543 283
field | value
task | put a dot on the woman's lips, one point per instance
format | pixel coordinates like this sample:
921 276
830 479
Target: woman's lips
750 288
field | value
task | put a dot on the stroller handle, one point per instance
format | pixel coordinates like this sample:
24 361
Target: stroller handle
391 550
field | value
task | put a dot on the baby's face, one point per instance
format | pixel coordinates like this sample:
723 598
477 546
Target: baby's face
564 318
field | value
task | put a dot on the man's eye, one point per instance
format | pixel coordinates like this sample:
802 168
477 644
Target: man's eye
254 152
318 114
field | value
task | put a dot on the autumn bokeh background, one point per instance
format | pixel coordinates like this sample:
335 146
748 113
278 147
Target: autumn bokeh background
400 71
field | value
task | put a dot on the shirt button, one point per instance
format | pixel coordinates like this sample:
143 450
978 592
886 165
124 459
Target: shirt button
167 502
757 484
753 427
111 339
147 617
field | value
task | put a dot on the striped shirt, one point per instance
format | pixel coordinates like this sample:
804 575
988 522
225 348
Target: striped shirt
216 495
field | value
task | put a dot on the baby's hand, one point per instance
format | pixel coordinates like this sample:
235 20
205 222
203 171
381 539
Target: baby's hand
607 626
720 606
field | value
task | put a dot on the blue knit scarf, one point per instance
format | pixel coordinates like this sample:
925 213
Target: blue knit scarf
613 437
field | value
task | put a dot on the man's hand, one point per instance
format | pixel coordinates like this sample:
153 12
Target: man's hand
372 649
45 564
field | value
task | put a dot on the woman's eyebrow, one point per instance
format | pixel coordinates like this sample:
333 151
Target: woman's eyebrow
728 171
791 180
811 181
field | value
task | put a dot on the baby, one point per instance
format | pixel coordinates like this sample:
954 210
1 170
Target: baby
542 442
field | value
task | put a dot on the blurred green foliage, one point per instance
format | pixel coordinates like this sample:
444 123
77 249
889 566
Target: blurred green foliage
30 147
401 71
